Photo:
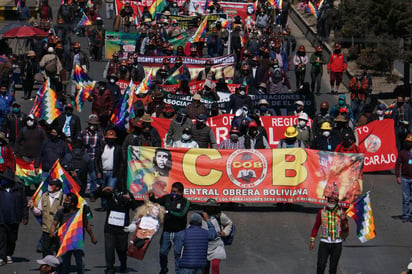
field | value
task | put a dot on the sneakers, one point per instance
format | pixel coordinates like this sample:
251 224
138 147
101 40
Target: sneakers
9 260
2 262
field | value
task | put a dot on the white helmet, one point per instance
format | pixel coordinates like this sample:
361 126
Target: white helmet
303 116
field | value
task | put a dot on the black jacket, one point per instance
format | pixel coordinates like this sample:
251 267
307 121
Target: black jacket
176 217
18 204
117 162
75 126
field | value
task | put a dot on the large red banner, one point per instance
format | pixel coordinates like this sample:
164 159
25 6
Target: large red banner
263 176
275 126
377 140
230 8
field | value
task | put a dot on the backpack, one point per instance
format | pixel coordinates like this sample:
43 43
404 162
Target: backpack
276 75
51 66
227 240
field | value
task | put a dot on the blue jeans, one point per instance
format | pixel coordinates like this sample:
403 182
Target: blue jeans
92 180
79 258
190 271
406 194
107 180
166 241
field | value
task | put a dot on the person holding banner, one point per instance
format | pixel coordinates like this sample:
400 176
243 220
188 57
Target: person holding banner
334 229
186 140
403 172
291 140
235 141
325 141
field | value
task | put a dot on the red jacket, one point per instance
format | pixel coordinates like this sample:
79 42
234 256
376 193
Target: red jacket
358 89
102 102
337 63
7 160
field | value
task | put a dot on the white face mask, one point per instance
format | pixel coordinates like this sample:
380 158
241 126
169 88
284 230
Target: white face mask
30 123
186 137
242 92
379 112
302 123
326 133
330 205
112 81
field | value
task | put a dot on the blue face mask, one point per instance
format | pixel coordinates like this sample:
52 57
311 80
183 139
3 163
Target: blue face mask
174 195
16 110
263 108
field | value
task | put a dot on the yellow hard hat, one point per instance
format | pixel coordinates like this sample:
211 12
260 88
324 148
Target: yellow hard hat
326 126
291 132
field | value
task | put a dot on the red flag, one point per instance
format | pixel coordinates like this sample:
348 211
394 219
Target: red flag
377 140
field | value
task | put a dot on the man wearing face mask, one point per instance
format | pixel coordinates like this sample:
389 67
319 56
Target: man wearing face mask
403 172
112 66
244 76
336 67
277 78
168 112
6 99
14 122
29 139
137 72
207 73
7 160
263 109
334 229
335 110
239 99
30 68
379 114
13 210
341 128
68 123
108 164
305 132
52 149
174 225
325 140
235 141
177 126
291 140
78 57
196 107
322 116
114 89
400 115
103 103
348 144
202 133
186 140
60 218
49 203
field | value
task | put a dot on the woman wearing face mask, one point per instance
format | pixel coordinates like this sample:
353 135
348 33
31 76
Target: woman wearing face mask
334 229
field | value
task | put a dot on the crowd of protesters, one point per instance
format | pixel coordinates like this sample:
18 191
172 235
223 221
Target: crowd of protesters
96 155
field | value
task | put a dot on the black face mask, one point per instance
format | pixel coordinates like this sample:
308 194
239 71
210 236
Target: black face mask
346 143
199 125
400 104
54 138
168 114
408 145
290 141
68 112
76 51
336 51
323 111
110 142
67 206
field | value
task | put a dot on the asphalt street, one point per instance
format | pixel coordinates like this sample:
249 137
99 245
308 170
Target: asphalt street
268 239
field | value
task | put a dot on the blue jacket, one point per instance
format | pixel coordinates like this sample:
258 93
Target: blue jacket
195 246
16 203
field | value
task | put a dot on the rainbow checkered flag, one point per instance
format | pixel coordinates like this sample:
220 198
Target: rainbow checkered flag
125 110
84 21
200 32
312 9
71 234
361 212
46 106
84 87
